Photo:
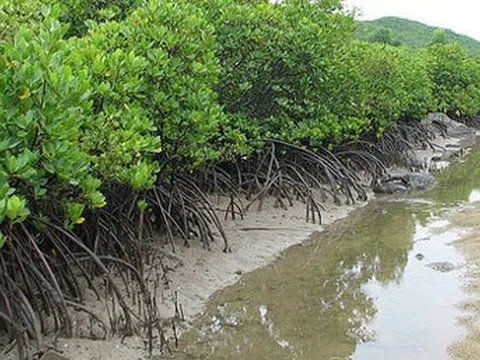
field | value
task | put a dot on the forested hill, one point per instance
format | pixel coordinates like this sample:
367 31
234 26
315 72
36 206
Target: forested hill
412 33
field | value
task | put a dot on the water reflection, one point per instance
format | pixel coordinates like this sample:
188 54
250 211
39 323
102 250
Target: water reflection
312 303
474 196
457 183
417 317
362 290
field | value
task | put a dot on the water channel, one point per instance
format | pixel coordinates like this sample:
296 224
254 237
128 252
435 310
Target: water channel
384 283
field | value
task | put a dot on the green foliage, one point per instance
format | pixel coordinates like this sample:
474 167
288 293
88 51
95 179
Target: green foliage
456 79
78 13
44 103
107 107
376 85
417 91
14 14
413 34
383 36
276 63
156 74
151 88
439 36
379 84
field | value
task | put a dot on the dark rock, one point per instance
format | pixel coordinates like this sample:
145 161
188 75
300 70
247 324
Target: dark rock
401 183
453 128
420 256
443 267
389 188
416 164
419 181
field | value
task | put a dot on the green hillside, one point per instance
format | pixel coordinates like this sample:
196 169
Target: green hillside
412 33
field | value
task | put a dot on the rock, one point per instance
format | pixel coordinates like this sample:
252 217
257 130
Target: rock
409 182
389 188
419 181
423 239
415 163
420 256
443 266
453 128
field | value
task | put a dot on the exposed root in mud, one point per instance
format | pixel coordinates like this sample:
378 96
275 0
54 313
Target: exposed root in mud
46 269
41 282
288 173
181 208
394 147
177 208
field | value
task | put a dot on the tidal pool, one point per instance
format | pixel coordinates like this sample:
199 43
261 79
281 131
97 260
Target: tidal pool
385 283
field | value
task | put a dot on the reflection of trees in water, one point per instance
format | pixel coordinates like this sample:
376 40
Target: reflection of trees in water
315 294
385 239
315 297
457 183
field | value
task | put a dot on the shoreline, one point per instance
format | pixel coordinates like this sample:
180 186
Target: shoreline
258 240
263 236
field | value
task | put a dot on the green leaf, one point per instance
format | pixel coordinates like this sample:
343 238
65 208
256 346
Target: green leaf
142 205
17 209
75 211
3 240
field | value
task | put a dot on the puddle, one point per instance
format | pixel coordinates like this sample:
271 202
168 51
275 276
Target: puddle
474 196
382 284
417 317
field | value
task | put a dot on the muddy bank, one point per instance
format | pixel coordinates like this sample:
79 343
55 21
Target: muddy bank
196 274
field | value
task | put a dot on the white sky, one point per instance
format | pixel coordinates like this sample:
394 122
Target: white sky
462 16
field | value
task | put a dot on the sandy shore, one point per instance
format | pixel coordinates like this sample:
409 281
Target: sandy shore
255 242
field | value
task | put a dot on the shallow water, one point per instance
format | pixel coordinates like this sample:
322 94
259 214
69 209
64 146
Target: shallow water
383 283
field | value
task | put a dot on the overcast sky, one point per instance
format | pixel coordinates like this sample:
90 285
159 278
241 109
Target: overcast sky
462 16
